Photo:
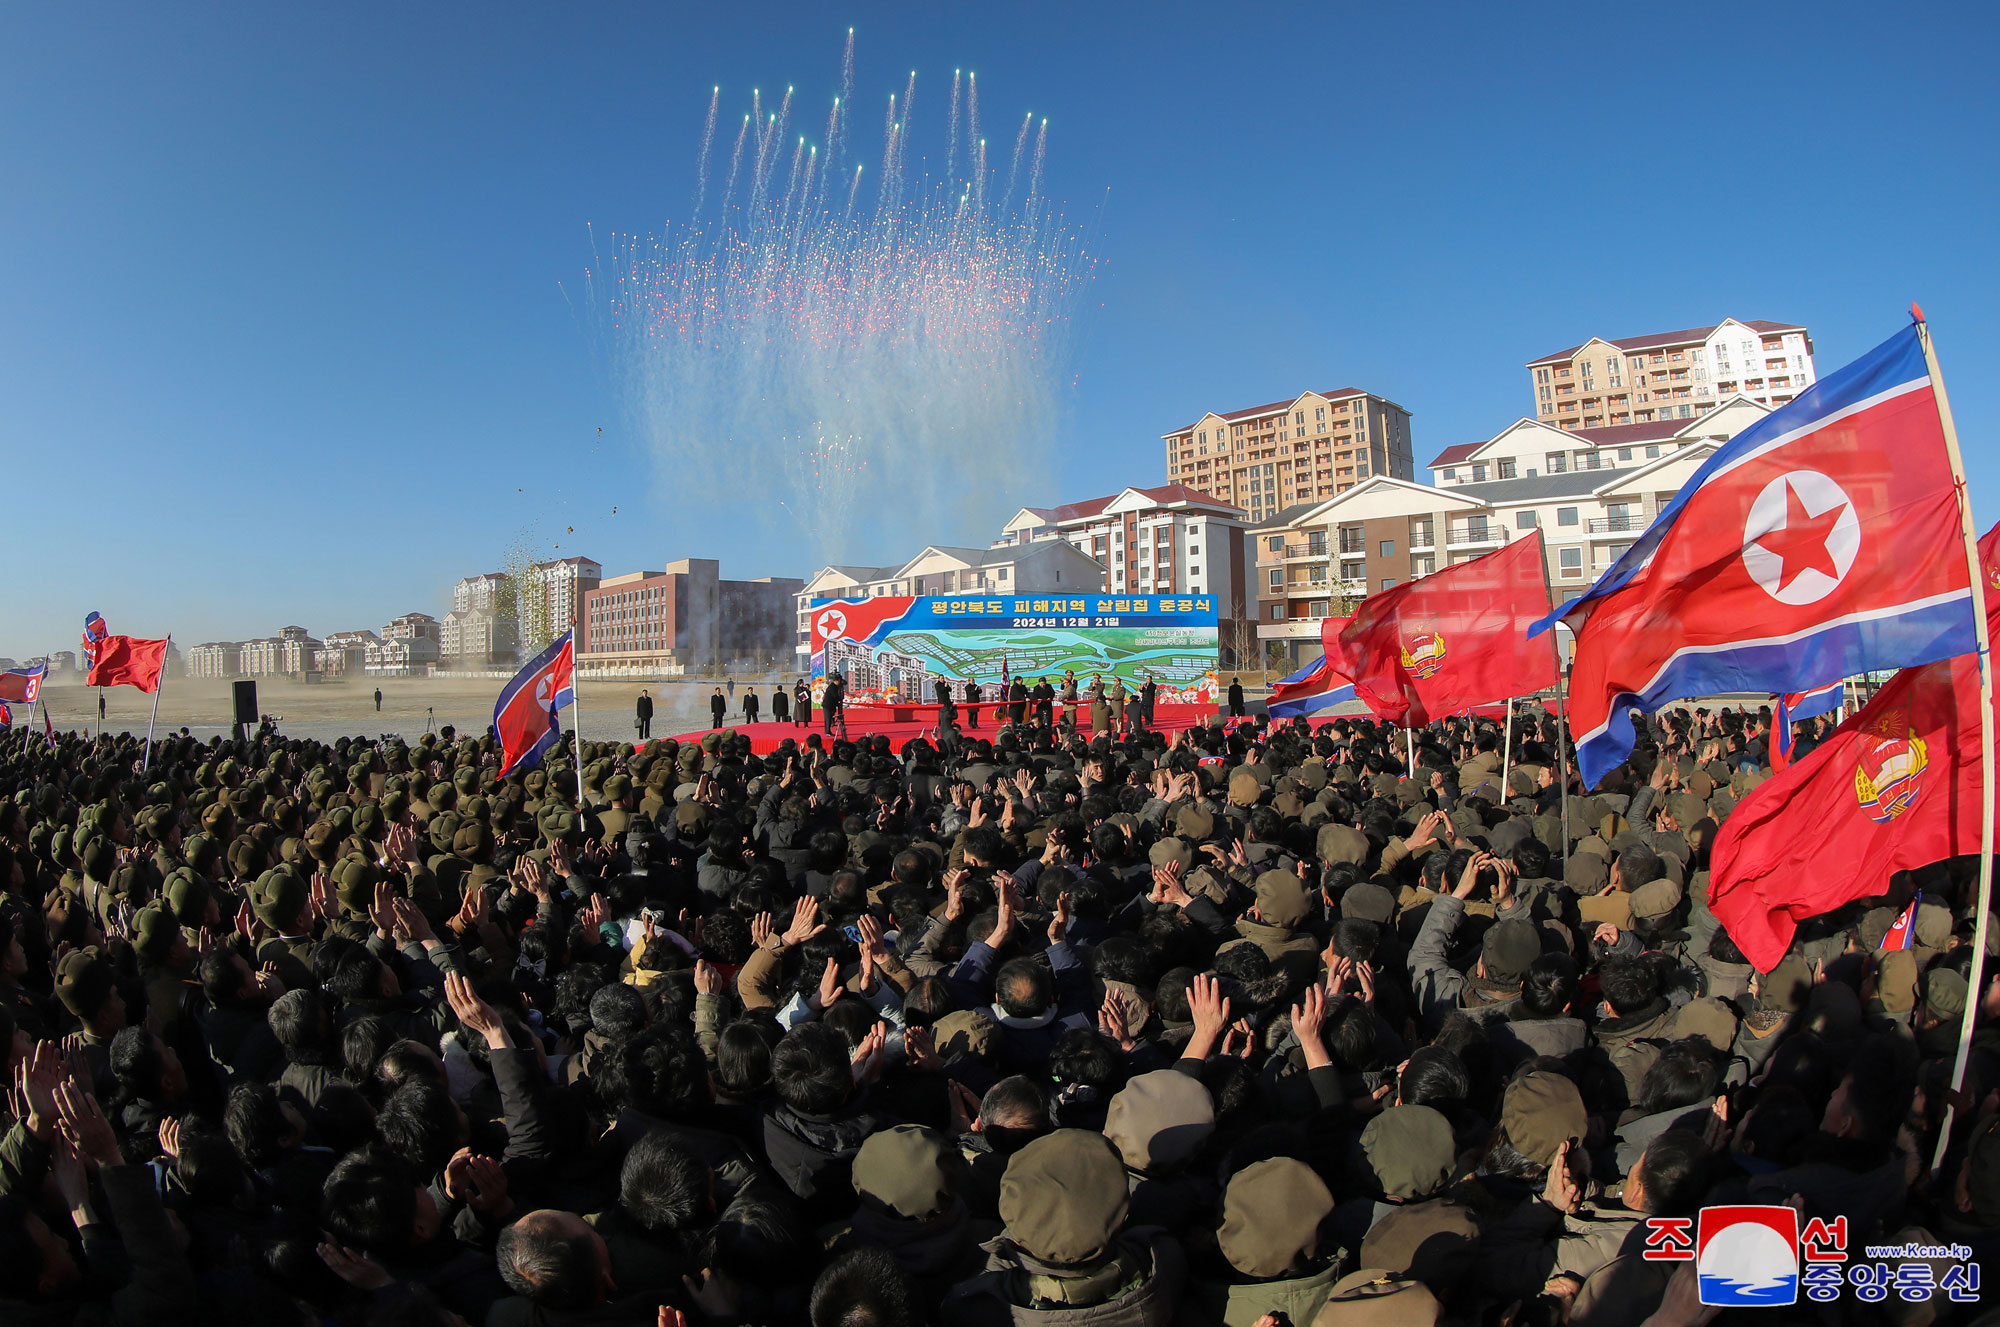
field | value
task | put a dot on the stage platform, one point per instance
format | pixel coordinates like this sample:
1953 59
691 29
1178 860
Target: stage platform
901 723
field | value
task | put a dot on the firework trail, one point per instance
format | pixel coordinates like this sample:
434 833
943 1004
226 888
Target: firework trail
879 370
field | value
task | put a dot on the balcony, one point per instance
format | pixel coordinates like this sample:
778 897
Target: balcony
1355 588
1293 552
1477 536
1423 541
1618 525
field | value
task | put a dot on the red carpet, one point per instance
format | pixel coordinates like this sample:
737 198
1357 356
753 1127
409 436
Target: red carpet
905 722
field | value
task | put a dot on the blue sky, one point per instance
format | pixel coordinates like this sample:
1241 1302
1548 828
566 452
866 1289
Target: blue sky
281 332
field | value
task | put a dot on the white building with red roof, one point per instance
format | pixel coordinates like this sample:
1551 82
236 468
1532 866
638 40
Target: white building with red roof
1661 376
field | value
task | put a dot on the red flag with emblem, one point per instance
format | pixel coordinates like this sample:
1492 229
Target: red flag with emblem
1894 788
1452 640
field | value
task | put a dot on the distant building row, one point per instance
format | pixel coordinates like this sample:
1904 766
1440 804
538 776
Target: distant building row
406 647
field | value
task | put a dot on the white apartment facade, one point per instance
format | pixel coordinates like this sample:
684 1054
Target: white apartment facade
1665 376
1264 458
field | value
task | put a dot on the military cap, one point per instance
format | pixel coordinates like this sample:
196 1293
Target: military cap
321 843
1788 986
1369 902
1064 1196
1271 1214
1373 1297
1933 925
368 821
1896 981
187 895
443 796
1342 843
83 980
1507 949
908 1169
964 1033
1244 789
1169 850
154 931
277 897
1655 899
99 858
245 856
354 881
1310 776
616 787
1282 899
1193 823
1709 1018
466 780
1944 994
1157 1123
1409 1152
691 819
1540 1112
1432 1242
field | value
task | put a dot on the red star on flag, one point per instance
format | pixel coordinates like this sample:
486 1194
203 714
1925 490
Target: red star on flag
1801 545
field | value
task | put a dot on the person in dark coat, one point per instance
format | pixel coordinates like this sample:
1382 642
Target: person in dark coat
750 704
1149 696
1236 697
645 713
803 694
971 703
833 700
718 705
781 705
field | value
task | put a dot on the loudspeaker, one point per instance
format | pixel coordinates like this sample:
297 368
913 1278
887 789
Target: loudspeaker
246 702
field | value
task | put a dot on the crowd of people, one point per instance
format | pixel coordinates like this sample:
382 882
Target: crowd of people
1251 1024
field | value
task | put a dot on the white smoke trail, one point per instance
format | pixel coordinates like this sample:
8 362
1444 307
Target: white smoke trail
884 375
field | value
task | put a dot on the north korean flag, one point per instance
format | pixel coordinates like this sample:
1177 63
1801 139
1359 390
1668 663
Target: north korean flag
23 684
1320 685
1820 542
1797 707
526 715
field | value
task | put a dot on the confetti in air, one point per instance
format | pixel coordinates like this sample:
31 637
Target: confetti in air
859 340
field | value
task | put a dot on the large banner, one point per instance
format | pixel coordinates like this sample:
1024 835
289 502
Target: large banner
895 648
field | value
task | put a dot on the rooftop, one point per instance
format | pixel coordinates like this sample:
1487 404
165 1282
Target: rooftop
1656 340
1273 407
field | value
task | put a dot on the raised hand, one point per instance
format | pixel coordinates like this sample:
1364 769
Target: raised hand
354 1267
762 930
1059 924
954 900
477 1015
1209 1008
1167 887
805 922
478 1182
707 979
1003 922
83 1124
1308 1016
830 985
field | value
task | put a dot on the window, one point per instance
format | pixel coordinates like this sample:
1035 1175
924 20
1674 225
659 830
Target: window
1194 550
1277 612
1624 453
1003 573
1558 463
1277 577
1450 473
1653 453
1277 543
1507 468
1388 548
1571 561
1565 516
1524 520
1299 418
1478 474
1687 412
1194 571
1388 582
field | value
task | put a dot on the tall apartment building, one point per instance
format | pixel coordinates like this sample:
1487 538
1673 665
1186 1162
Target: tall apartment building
482 628
561 585
1671 375
290 653
345 653
1268 457
1167 540
1591 493
686 617
215 659
410 644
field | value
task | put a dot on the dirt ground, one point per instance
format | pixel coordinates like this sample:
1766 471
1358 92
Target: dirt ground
328 710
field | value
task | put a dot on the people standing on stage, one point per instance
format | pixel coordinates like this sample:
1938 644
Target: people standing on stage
1069 696
1115 703
1236 697
802 697
832 701
750 704
1017 692
1149 696
645 715
781 704
1135 712
718 705
1045 703
971 703
1100 711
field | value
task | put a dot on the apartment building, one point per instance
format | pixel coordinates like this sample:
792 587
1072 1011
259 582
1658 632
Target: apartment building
1167 540
1036 565
345 653
1671 375
410 644
1321 559
290 653
684 618
483 628
215 659
1303 449
559 589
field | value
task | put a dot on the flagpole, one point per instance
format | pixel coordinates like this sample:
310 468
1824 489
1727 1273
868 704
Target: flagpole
1507 746
1562 703
159 685
1975 978
576 699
